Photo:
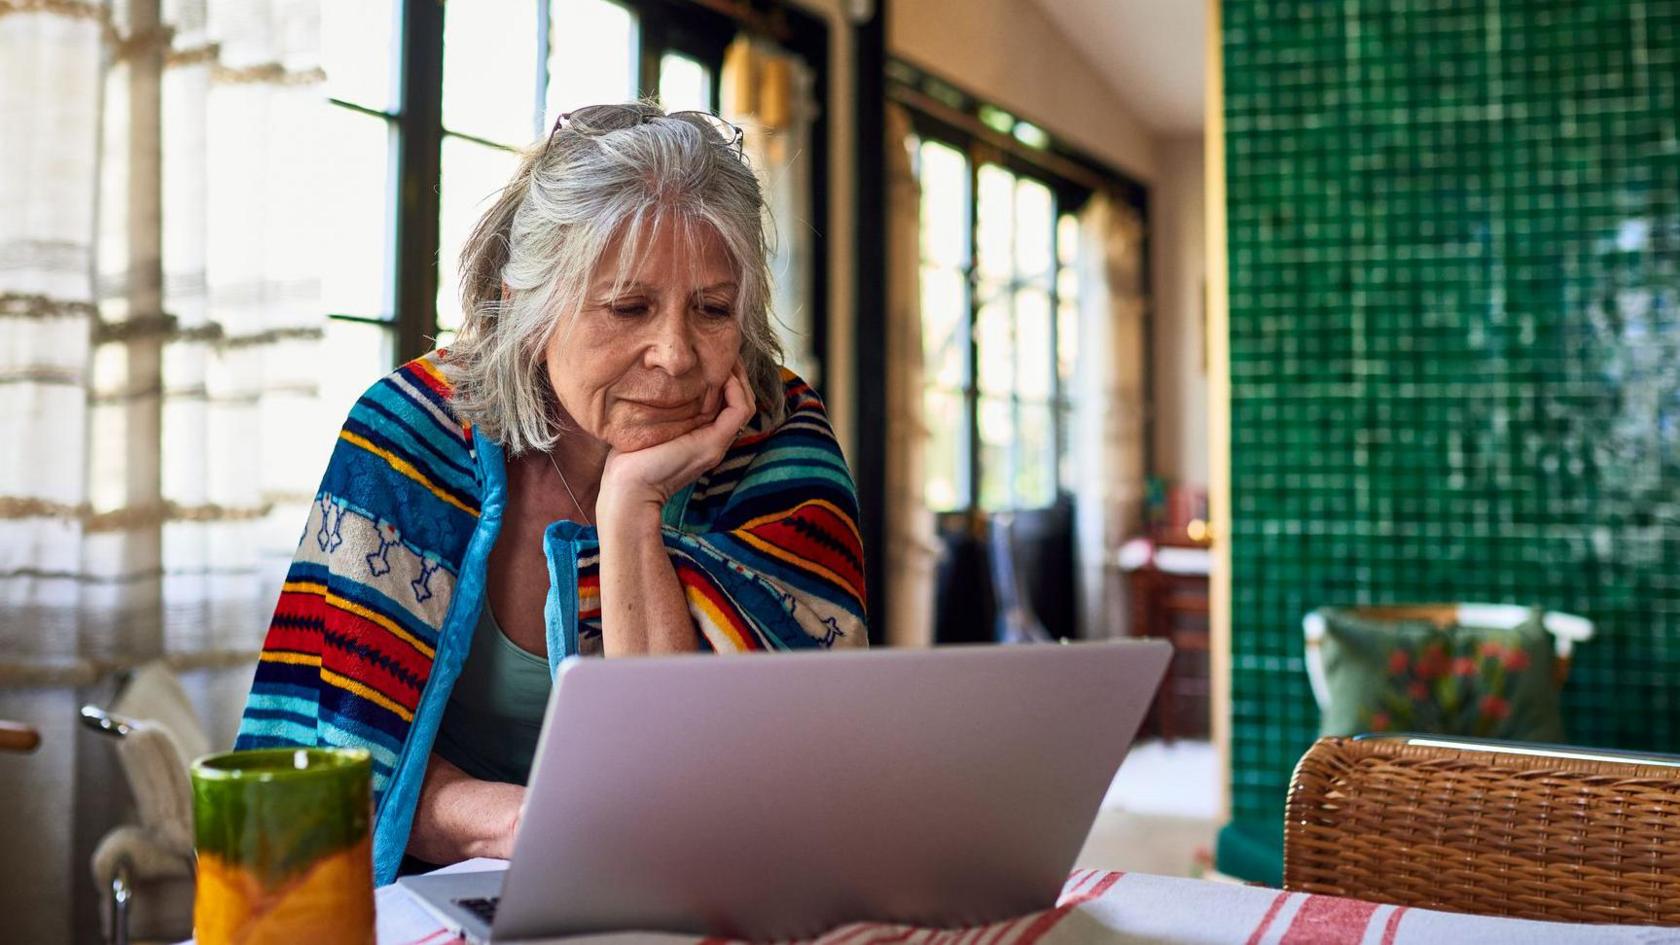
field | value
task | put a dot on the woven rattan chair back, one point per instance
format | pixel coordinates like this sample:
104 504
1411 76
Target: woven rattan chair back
1581 838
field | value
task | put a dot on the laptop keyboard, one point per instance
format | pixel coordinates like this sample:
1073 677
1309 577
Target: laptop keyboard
483 908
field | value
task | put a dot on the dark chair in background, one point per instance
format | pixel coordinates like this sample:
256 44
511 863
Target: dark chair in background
1042 544
1006 576
964 606
1017 622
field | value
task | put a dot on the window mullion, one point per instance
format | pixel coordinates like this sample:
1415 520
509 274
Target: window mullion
539 117
1017 281
1057 434
420 135
651 38
971 370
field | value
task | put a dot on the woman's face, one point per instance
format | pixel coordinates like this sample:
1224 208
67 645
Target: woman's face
648 363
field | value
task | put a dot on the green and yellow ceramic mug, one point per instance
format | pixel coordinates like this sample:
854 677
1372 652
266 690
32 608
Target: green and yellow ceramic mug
284 847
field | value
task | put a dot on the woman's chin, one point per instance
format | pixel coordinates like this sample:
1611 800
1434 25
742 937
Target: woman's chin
644 435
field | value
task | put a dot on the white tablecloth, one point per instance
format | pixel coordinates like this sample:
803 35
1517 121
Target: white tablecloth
1136 908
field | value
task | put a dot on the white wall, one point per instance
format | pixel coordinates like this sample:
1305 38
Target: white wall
1007 52
1179 263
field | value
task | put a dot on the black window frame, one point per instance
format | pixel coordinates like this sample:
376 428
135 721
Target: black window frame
1068 198
941 111
689 27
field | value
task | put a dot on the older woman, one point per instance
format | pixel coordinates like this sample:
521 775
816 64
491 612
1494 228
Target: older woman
608 461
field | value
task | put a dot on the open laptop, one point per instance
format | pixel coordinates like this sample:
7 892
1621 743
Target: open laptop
781 796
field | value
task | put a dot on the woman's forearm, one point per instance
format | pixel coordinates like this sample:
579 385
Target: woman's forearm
643 609
460 817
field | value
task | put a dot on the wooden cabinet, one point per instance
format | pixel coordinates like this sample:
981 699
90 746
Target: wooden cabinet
1167 587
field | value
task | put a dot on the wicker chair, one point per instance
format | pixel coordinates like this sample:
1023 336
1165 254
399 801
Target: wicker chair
1536 832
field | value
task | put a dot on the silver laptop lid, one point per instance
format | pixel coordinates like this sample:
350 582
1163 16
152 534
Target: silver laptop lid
780 796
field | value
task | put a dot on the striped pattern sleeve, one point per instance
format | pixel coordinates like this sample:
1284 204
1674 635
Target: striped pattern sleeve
780 564
355 631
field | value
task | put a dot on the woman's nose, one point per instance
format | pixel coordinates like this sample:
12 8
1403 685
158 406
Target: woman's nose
672 348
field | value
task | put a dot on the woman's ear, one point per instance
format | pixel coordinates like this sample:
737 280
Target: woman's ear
505 290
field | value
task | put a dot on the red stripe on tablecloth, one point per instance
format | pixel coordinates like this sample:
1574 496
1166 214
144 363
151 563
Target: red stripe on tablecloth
1393 926
996 932
853 935
1085 889
1047 920
1096 890
860 934
1075 880
1007 930
1329 920
447 936
1266 920
1023 930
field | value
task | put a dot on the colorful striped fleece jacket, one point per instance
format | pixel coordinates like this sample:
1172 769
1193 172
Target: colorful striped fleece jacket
378 609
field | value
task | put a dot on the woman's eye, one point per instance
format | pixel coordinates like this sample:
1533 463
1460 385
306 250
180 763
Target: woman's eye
716 310
629 309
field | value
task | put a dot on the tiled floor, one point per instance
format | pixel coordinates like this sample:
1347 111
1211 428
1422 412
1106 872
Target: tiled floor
1160 815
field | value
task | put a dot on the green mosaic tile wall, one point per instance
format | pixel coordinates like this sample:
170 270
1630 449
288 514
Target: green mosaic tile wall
1455 338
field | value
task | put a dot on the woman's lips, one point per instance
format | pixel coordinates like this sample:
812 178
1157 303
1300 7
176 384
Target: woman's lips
666 408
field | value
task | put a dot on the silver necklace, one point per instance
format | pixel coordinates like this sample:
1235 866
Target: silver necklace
569 493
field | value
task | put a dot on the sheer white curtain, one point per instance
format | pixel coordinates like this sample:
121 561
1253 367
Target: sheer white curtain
158 317
912 550
1108 405
50 90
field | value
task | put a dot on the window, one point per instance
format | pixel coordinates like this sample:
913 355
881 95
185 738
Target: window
506 73
1067 340
363 121
945 323
684 83
999 319
496 101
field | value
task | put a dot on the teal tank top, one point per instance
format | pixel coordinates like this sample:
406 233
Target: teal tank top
495 712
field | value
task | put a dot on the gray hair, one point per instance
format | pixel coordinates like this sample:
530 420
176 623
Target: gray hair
549 229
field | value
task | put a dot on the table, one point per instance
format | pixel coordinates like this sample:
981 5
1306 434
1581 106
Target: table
1099 908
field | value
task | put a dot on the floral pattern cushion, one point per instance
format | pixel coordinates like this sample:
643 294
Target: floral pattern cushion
1412 676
